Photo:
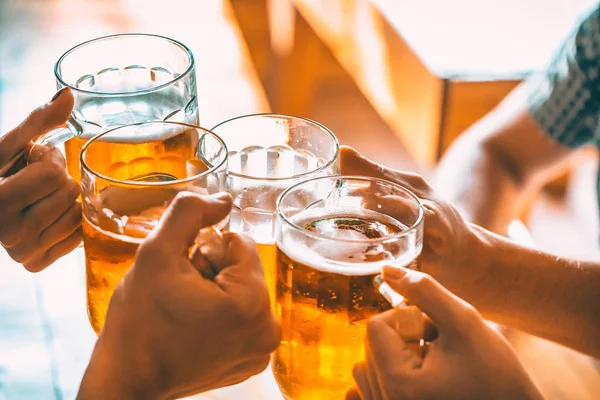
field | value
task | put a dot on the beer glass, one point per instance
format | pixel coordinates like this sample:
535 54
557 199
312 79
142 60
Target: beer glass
334 234
129 175
267 154
119 80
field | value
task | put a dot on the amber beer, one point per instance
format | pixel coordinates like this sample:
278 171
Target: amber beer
108 256
118 215
267 253
325 294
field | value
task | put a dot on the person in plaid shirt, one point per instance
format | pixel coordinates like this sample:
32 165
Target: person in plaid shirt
531 135
518 146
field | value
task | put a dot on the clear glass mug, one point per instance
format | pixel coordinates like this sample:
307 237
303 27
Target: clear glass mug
127 185
267 154
118 80
333 236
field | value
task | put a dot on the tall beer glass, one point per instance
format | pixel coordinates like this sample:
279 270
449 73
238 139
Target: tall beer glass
267 154
129 176
119 80
334 235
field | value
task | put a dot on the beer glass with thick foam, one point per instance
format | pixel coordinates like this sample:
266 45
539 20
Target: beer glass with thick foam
334 234
119 80
267 154
127 185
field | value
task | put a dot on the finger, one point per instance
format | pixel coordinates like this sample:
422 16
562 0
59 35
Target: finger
30 185
359 372
185 216
243 276
30 246
54 156
445 309
48 210
11 230
386 342
68 223
43 119
353 394
374 383
403 209
241 261
15 165
353 163
201 264
55 252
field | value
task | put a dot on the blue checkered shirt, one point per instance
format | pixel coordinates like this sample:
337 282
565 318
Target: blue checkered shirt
565 101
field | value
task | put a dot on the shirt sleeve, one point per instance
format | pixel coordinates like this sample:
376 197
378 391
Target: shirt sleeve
565 99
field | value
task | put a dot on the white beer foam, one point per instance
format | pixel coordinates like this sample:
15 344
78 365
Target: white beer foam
318 253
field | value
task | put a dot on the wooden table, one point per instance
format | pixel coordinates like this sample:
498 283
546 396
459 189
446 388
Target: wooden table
45 338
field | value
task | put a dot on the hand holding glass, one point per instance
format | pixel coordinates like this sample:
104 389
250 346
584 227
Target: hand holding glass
129 176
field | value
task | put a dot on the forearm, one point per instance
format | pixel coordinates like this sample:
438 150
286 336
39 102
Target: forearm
539 293
473 180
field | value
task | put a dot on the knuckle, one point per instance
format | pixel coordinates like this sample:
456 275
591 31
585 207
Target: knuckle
416 180
421 282
33 223
374 324
356 370
10 234
152 248
73 190
184 201
4 195
261 364
55 172
273 335
38 265
19 255
470 315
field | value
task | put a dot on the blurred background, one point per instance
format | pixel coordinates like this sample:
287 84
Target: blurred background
397 79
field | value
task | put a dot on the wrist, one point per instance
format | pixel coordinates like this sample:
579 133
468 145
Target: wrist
111 375
476 263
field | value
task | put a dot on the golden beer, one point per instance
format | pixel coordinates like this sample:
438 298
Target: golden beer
324 297
130 176
268 257
110 246
108 256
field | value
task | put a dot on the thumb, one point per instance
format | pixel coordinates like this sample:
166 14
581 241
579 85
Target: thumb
185 216
43 119
393 339
445 309
353 163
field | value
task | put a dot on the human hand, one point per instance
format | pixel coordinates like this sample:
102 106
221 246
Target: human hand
449 243
40 219
466 359
175 327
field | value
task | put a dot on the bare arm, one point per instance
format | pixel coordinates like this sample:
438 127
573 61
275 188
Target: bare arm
536 292
540 293
492 165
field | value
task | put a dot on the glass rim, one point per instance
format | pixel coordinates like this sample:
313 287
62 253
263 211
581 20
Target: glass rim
73 49
416 225
213 168
293 177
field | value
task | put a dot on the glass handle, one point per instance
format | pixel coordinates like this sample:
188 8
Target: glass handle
50 140
41 145
394 298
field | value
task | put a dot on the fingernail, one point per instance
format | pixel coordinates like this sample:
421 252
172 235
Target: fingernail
394 273
58 94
